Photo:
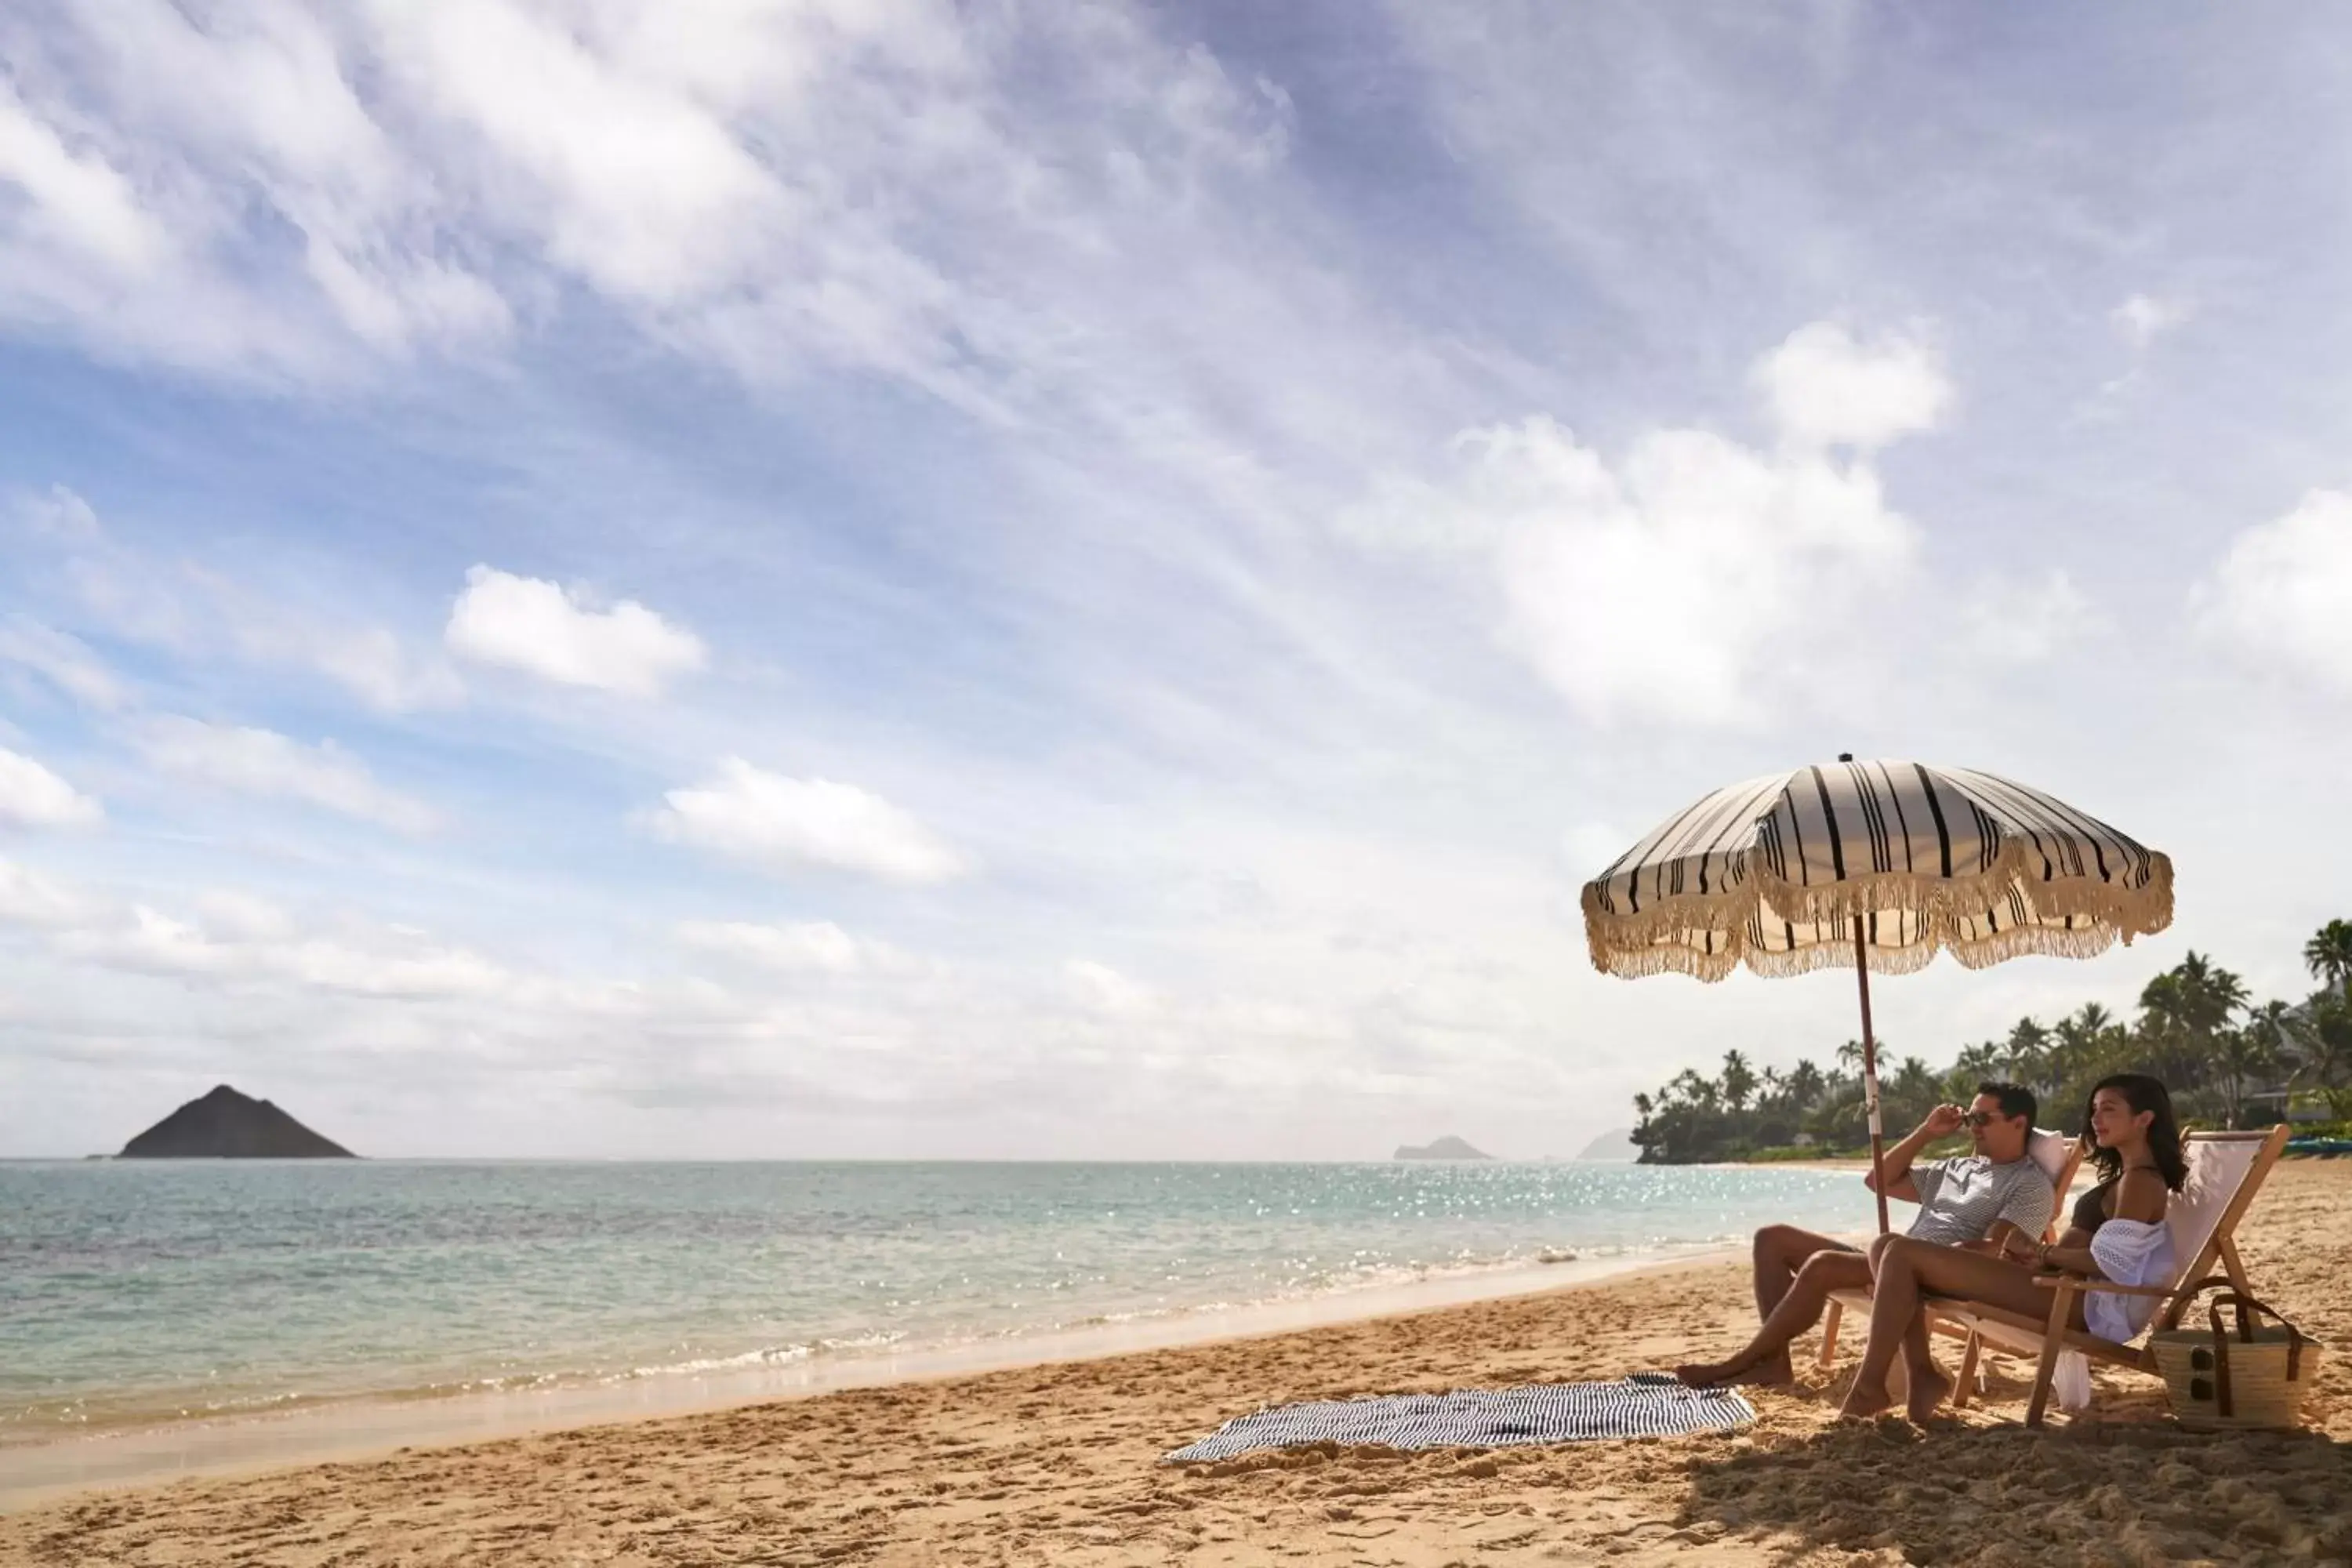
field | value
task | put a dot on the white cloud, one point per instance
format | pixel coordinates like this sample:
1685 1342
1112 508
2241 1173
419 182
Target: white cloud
812 946
2141 319
766 186
2283 594
1824 389
1685 583
1098 988
264 762
558 634
1665 589
60 514
33 796
370 662
196 612
64 661
787 824
29 898
2030 621
150 941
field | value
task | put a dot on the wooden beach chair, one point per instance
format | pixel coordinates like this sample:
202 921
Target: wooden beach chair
2060 1158
2226 1169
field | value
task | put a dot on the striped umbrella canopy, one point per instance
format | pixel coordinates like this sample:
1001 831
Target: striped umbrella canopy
1878 865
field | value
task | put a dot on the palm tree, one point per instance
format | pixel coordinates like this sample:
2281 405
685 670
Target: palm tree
1805 1083
2025 1054
2326 1055
1738 1080
2328 956
2240 1057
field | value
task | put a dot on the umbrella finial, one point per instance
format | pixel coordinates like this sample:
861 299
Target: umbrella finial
1846 756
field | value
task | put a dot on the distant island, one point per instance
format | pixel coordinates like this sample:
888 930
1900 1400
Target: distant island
1447 1148
1614 1147
226 1125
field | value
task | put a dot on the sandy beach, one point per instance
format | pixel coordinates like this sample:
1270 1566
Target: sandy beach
1060 1463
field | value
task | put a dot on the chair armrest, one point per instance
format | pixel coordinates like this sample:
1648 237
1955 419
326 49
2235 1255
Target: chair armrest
2084 1282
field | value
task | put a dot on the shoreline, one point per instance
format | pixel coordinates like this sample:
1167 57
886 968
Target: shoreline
63 1468
1063 1461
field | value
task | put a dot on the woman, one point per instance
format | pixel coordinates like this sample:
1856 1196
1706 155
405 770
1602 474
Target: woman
2117 1234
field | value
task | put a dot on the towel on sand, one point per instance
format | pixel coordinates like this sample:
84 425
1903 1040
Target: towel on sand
1647 1404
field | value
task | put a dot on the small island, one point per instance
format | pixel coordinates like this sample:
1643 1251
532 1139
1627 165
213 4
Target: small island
226 1125
1447 1148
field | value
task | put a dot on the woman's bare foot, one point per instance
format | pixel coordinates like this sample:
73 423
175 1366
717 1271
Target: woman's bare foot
1770 1372
1928 1390
1862 1401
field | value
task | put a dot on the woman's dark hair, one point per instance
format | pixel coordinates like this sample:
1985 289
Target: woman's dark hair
2140 1093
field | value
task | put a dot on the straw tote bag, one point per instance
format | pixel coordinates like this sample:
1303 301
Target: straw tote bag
2218 1381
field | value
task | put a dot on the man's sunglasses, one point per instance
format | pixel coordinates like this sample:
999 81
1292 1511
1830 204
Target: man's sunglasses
1979 1118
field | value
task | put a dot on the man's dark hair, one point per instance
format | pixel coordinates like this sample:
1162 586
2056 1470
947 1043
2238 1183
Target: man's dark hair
2016 1099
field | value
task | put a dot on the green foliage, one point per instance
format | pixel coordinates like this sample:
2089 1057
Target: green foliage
2225 1057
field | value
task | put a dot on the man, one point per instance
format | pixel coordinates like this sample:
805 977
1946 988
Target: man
1993 1200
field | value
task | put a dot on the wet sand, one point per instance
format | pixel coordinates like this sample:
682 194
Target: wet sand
1058 1463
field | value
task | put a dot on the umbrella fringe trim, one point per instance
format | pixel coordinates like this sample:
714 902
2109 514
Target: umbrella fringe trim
2017 942
1669 938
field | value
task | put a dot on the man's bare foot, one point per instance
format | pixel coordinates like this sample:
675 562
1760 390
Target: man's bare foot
1928 1390
1864 1401
1771 1371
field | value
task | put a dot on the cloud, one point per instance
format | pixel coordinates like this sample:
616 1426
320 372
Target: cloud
29 898
263 763
1669 588
64 661
60 514
2281 596
370 662
1684 582
2030 621
768 187
195 610
808 947
558 634
2141 319
1098 988
787 824
1824 389
33 796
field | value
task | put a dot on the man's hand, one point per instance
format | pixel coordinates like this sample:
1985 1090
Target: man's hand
1943 1122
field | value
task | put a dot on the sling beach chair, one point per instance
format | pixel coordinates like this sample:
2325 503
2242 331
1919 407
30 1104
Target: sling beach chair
2226 1169
2059 1158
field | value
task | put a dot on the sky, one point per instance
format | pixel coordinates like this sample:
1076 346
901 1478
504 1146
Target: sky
893 579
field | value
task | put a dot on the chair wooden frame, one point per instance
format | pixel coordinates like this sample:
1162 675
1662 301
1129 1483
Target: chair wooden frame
1860 1299
2016 1333
1988 1328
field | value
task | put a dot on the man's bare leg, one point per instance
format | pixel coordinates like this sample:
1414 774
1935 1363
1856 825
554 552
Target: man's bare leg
1765 1357
1779 1251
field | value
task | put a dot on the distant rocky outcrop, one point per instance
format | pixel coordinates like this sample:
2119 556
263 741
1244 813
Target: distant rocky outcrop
226 1125
1447 1147
1614 1147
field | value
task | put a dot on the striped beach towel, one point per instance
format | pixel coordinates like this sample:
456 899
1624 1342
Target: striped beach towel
1648 1405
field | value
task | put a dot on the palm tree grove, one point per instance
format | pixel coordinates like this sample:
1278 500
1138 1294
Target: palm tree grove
2230 1062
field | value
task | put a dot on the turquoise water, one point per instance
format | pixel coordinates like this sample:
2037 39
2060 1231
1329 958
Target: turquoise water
133 1293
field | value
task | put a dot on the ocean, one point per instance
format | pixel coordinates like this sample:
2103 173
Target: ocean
140 1294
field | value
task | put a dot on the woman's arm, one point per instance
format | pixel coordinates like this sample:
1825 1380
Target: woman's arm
2072 1253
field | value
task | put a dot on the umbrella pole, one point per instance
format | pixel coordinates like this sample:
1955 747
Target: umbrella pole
1870 1077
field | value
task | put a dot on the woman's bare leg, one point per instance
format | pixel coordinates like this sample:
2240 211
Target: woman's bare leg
1907 1272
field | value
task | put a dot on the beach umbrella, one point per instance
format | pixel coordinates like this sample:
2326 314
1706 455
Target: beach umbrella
1879 865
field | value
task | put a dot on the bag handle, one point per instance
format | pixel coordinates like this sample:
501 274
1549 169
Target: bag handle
2244 1307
